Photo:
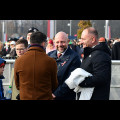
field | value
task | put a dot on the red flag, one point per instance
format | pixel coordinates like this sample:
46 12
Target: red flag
109 33
48 29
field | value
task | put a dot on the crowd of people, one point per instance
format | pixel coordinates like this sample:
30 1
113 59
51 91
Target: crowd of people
43 65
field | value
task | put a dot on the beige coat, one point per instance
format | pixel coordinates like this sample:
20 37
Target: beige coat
15 92
35 75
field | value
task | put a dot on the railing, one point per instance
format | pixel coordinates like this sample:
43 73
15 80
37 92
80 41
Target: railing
115 74
115 78
7 73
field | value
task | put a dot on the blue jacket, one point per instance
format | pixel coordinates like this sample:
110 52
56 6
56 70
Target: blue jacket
65 65
1 85
2 60
1 88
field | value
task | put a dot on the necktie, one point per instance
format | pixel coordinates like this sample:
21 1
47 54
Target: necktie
59 54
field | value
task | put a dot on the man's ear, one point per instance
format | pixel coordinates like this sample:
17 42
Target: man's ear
43 44
93 39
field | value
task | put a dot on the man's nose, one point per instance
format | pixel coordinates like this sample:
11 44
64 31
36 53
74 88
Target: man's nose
59 44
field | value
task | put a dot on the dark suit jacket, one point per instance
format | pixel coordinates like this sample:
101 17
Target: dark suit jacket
65 65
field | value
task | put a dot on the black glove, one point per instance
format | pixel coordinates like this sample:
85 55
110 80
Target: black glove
18 97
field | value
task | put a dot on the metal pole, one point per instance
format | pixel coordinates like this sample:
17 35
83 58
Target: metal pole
3 30
106 28
70 26
52 29
55 27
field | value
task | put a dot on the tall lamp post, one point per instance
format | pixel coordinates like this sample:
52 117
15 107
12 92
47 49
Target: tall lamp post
106 28
70 25
3 30
55 22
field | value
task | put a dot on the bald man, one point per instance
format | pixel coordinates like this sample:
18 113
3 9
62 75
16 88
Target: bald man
67 61
96 61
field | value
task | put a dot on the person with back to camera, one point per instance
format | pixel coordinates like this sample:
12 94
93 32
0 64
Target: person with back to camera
116 51
67 61
50 46
97 61
35 72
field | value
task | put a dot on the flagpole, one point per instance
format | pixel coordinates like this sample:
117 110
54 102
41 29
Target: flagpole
55 27
106 28
109 32
70 26
52 29
3 30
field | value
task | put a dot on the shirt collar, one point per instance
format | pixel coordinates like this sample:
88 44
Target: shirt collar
63 52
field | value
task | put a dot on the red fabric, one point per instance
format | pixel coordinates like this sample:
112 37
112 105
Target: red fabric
48 29
50 42
2 64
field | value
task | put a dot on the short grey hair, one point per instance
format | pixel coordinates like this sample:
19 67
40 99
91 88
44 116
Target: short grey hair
92 30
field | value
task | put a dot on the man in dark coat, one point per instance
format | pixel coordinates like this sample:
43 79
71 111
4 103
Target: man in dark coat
68 62
116 51
97 61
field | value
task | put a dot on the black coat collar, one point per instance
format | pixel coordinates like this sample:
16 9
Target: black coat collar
2 77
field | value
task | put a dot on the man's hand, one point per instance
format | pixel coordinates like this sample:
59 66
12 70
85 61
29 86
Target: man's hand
53 96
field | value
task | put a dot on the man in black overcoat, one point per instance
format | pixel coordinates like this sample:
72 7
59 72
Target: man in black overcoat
97 61
116 51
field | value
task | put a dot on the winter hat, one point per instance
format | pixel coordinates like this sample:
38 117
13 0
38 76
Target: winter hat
2 62
50 42
12 39
101 39
13 43
32 29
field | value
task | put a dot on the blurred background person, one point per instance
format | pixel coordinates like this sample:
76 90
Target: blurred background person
30 31
80 46
8 49
12 52
2 50
104 44
50 46
116 51
110 43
